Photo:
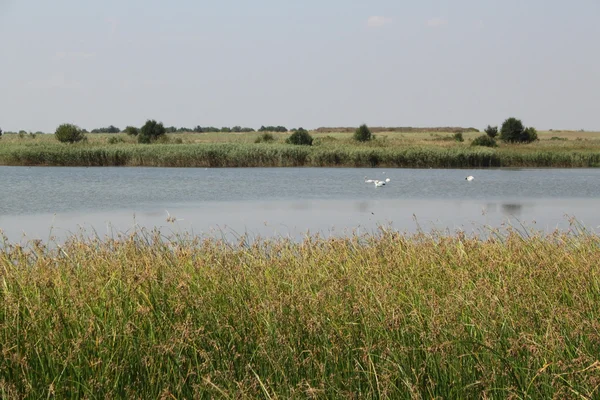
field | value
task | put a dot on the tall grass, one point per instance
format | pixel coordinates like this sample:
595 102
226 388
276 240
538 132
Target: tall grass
281 155
378 316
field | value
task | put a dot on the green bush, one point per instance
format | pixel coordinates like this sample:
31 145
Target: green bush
300 137
513 131
151 132
529 135
265 138
69 133
484 140
491 131
115 140
458 136
363 134
132 131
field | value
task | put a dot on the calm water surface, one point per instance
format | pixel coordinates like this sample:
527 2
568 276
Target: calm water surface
38 201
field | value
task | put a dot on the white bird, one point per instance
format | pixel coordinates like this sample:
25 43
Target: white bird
381 183
171 218
469 178
369 180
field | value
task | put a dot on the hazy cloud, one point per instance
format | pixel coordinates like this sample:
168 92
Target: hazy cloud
54 82
376 21
437 22
73 55
113 24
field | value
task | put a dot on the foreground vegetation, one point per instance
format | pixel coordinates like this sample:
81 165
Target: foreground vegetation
378 316
388 149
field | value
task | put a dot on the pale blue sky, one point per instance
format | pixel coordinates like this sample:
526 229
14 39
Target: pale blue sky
304 63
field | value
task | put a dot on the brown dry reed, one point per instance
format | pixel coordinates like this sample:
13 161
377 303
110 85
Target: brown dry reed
384 315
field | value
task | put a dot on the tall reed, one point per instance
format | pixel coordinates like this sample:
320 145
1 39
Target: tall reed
280 155
377 316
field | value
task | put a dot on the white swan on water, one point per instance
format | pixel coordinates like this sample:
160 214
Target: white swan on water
470 178
381 183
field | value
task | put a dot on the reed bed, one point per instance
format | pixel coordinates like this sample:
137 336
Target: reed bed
386 315
281 155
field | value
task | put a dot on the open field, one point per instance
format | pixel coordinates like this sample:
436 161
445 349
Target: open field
389 149
378 316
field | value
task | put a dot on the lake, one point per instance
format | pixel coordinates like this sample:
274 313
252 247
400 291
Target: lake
36 202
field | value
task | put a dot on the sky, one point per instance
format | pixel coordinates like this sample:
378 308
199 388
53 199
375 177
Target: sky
305 63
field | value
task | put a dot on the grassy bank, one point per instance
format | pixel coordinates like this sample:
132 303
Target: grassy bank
391 149
379 316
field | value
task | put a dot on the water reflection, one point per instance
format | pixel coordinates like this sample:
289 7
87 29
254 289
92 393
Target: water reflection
512 209
295 219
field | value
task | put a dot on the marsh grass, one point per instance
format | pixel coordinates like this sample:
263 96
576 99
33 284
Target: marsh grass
389 149
384 315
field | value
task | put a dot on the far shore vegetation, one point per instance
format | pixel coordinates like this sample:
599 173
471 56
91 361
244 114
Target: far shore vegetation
509 145
383 315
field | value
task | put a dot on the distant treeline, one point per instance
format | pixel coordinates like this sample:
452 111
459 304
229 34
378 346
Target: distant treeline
280 128
404 129
201 129
204 129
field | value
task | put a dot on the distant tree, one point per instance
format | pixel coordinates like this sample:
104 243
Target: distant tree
513 131
484 140
0 132
109 129
247 130
112 129
491 131
170 129
363 134
458 136
272 128
132 130
300 137
236 129
151 131
225 129
69 133
204 129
